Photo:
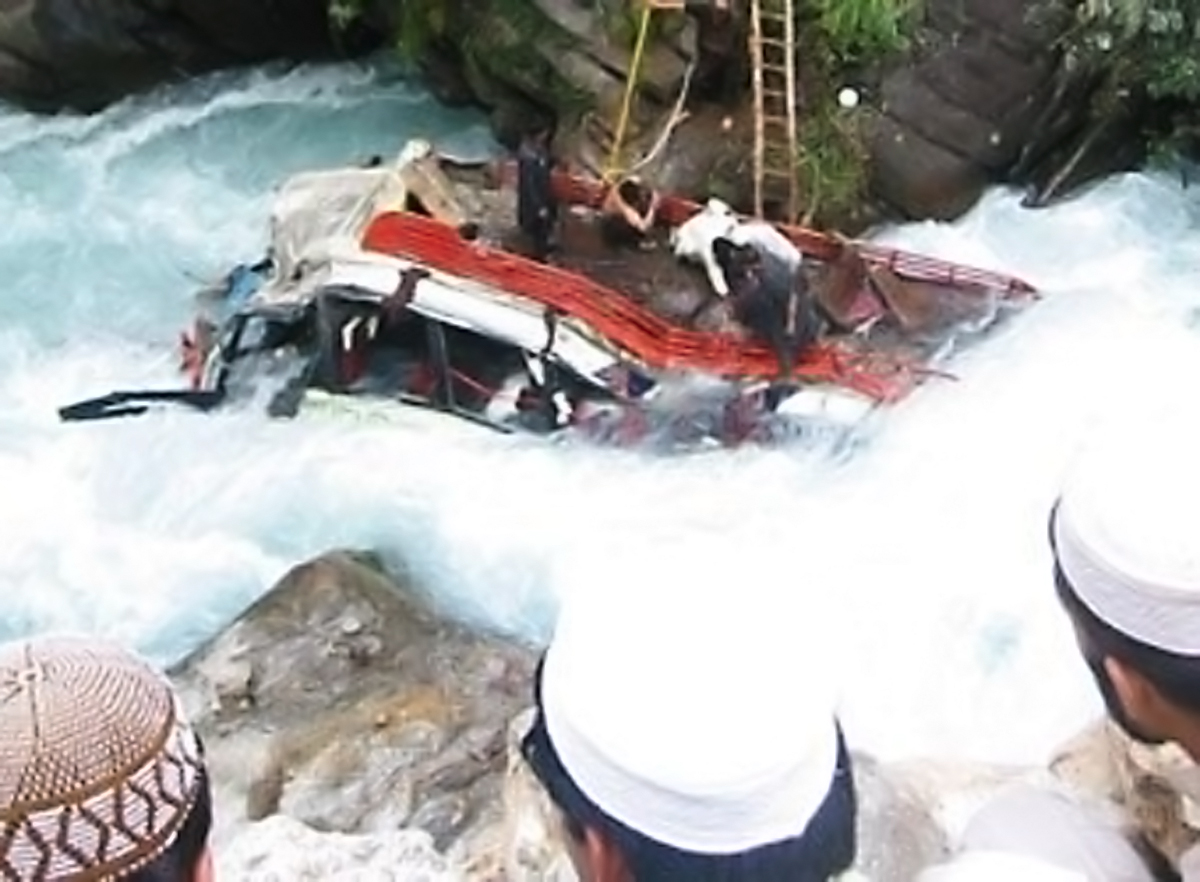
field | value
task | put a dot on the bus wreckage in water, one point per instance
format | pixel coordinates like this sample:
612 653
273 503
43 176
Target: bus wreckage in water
393 292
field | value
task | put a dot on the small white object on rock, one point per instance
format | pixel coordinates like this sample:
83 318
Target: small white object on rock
848 97
230 683
351 626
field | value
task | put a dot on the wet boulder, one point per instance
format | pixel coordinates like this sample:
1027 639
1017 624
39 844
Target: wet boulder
956 117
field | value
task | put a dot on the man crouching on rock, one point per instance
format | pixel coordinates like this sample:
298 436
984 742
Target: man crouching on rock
676 745
101 776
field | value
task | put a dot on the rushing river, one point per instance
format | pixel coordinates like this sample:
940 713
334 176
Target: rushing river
920 558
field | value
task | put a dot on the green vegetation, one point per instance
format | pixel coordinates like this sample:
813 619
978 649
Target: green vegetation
831 166
419 22
852 39
865 31
1146 44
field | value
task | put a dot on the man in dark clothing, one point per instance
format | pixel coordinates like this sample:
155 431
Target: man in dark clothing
537 208
770 299
721 50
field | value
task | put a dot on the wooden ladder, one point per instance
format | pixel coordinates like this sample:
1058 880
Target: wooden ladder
773 54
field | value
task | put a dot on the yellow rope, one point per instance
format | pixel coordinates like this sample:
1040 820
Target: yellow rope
614 158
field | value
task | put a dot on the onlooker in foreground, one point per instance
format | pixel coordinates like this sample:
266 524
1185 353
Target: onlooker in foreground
1127 572
101 777
683 737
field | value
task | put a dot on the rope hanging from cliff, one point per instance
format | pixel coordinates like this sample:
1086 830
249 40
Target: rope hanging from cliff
635 66
679 114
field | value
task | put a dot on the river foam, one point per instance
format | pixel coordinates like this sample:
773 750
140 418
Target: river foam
918 561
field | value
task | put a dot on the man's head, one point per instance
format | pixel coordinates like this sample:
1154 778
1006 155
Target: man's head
634 192
688 735
734 259
101 777
540 132
1127 570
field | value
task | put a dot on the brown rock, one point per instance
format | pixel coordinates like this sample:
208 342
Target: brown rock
918 177
978 74
907 100
411 732
662 67
1023 26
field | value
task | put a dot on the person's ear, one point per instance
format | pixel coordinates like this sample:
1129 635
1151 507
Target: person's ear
204 871
604 858
1140 699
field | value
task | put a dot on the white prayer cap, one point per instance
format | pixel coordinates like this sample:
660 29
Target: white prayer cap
995 866
1127 530
685 705
1059 828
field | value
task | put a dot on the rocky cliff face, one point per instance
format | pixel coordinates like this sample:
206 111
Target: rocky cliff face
981 85
83 54
982 81
957 116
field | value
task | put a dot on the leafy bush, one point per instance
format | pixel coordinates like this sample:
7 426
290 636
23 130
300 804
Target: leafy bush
1151 44
342 13
865 30
421 23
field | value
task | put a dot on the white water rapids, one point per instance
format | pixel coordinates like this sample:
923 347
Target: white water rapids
922 554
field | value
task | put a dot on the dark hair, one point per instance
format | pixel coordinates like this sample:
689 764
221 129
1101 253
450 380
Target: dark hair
178 862
635 194
728 255
1176 676
541 128
825 849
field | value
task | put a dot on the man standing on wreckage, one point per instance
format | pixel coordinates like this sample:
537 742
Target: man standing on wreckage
757 270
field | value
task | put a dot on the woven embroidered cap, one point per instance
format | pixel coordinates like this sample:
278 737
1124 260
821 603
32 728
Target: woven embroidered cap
1125 529
98 765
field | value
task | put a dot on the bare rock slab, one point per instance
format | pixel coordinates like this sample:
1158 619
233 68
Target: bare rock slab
343 700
